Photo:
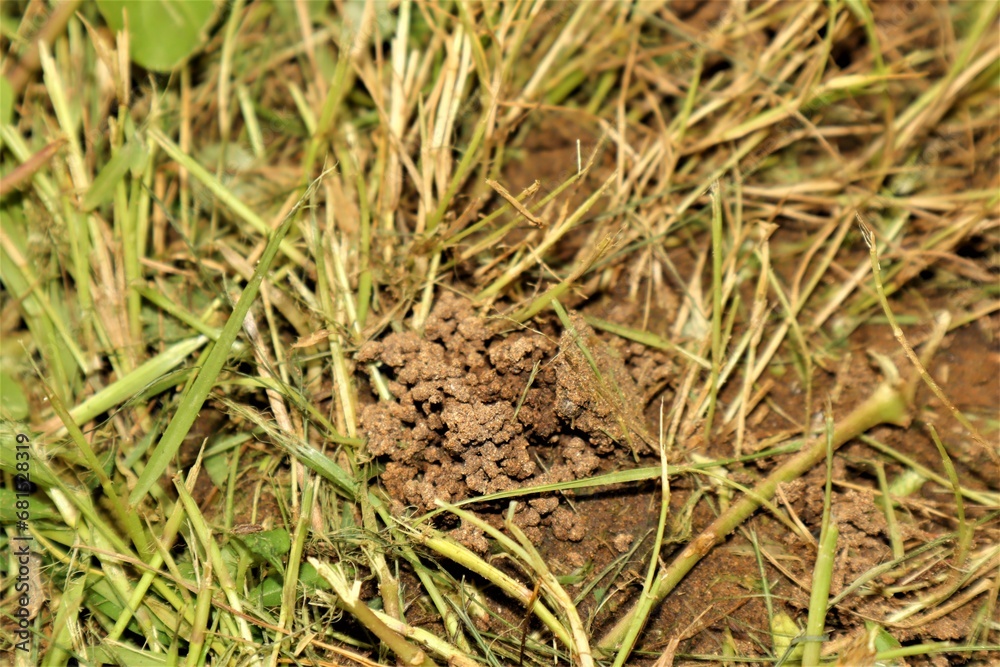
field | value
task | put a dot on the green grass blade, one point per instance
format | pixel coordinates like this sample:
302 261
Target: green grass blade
226 196
197 391
135 382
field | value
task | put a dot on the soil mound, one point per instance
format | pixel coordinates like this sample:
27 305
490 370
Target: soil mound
478 411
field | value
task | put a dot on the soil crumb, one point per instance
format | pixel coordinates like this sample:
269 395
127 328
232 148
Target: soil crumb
476 412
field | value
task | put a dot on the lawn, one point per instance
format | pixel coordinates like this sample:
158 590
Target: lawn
512 332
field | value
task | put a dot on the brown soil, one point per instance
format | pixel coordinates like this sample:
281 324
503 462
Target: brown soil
479 411
452 434
482 407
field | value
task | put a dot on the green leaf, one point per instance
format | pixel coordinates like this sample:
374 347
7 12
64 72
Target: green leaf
39 509
149 379
102 190
269 545
162 33
783 632
217 468
13 403
883 642
268 592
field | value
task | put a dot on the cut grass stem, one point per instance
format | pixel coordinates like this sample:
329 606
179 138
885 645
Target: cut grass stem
823 569
897 332
580 647
466 558
348 596
645 604
717 304
888 404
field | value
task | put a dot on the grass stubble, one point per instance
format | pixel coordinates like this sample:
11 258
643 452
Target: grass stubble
232 233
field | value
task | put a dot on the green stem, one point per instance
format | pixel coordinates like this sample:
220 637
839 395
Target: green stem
716 307
348 599
645 604
820 595
897 332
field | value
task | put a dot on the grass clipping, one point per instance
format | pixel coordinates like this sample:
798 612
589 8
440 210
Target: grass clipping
196 267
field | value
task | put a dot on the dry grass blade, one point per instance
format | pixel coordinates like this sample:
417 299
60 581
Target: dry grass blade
288 318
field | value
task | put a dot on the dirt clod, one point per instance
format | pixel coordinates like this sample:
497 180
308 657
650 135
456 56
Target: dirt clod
476 412
622 542
604 404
